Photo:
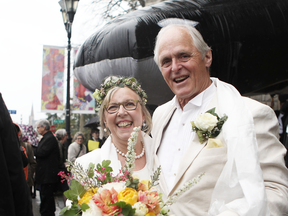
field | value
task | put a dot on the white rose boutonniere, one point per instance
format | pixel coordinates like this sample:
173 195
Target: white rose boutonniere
208 125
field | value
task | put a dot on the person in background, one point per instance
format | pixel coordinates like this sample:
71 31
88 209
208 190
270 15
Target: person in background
283 118
22 150
15 199
77 148
61 136
94 142
47 158
243 161
29 138
32 164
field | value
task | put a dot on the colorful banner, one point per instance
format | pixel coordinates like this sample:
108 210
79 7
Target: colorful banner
83 101
52 79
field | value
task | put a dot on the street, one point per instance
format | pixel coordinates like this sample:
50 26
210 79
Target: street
59 203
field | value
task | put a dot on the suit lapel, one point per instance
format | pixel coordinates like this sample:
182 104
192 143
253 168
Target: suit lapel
187 159
157 141
192 152
161 128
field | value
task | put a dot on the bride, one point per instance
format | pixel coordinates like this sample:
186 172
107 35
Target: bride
122 108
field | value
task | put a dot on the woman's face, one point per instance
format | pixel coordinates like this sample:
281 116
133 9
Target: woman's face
79 140
122 122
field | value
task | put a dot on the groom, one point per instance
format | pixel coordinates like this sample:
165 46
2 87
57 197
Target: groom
243 166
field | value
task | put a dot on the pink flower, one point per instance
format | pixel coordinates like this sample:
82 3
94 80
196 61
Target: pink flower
102 177
103 199
151 199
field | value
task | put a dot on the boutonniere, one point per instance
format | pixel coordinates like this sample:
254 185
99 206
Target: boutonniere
208 125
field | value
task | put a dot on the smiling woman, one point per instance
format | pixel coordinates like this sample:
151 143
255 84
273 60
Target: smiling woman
122 108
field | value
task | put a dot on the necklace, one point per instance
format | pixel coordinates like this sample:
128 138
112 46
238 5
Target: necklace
136 157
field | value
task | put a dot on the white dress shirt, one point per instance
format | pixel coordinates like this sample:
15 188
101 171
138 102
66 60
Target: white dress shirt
178 134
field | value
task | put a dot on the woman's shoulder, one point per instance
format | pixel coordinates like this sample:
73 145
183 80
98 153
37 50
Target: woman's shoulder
91 157
72 145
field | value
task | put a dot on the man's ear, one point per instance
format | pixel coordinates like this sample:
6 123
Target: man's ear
208 58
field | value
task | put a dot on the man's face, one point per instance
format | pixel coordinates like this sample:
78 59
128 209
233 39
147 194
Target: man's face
65 138
181 64
40 129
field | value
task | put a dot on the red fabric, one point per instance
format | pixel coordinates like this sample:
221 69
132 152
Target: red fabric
25 168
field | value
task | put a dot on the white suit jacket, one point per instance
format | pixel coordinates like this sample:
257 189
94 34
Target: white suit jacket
198 159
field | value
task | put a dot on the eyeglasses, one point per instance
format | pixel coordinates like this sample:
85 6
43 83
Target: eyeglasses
39 127
128 105
79 138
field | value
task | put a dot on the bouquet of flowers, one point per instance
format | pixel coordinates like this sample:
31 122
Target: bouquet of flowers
97 192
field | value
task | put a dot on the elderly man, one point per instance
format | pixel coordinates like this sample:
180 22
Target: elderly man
242 162
47 157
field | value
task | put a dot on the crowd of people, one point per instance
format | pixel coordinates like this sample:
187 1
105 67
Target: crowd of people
245 172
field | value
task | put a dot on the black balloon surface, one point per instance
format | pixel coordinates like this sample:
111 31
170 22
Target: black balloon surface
249 41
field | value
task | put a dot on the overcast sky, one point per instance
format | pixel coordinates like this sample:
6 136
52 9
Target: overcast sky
25 27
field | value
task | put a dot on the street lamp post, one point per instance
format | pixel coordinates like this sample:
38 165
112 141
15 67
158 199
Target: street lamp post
68 9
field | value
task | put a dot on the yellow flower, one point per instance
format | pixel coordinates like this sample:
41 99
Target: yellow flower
150 214
87 196
128 195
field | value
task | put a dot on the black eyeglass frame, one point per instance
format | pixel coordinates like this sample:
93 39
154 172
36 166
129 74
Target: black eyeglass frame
119 104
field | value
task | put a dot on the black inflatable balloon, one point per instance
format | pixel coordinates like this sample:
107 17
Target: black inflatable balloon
249 41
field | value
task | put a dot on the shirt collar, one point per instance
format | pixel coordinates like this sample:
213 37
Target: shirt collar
201 98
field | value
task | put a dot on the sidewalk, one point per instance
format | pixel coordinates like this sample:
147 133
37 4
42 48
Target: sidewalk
59 203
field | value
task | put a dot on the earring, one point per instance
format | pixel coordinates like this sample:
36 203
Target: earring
143 124
105 130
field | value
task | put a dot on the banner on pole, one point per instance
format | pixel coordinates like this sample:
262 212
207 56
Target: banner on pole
52 79
83 100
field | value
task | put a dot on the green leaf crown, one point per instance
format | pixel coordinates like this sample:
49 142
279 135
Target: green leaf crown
114 81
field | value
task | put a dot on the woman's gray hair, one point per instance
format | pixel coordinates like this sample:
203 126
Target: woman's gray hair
78 134
148 120
196 36
45 123
60 134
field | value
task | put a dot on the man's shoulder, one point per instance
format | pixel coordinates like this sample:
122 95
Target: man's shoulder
163 109
255 105
49 137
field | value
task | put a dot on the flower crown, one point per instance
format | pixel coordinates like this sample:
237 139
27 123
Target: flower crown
114 81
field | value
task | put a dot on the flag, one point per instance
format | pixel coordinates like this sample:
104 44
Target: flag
52 79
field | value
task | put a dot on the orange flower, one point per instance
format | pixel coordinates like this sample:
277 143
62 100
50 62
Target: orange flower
144 185
151 199
106 197
128 195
